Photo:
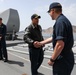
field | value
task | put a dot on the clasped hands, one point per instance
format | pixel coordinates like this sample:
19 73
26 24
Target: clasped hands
38 44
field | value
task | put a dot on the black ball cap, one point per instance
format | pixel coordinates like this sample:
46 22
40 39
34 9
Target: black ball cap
0 18
35 16
54 5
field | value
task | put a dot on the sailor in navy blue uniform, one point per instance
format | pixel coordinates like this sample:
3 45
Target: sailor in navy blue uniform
3 50
62 59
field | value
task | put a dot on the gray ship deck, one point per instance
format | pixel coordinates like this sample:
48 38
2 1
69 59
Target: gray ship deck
19 63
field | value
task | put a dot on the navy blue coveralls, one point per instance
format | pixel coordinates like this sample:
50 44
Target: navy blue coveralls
62 30
3 51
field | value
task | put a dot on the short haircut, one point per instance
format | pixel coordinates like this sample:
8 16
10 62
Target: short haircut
58 10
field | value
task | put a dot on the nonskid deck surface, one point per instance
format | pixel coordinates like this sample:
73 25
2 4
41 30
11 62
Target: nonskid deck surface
19 63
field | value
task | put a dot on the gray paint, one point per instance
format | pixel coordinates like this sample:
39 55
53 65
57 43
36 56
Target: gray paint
11 20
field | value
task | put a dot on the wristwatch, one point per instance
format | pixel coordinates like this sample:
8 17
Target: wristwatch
52 60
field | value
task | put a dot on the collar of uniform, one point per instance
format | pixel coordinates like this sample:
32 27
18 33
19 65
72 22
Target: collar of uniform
59 16
33 26
1 25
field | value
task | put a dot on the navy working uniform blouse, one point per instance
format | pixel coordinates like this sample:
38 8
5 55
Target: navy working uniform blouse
62 30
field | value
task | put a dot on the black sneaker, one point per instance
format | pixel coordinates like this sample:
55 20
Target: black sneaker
5 60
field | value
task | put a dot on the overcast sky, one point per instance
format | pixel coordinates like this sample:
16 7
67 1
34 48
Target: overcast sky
28 7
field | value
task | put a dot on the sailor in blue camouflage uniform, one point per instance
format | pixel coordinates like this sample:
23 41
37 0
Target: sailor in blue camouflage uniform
3 50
